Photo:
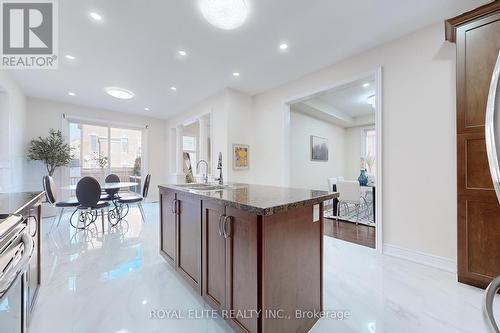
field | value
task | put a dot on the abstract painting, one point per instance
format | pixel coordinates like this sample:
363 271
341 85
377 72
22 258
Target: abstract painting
240 157
319 149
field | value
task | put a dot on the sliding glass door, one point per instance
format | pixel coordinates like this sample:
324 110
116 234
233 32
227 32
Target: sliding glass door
125 155
100 150
90 151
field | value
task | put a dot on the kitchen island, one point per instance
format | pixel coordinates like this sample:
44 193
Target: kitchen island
253 252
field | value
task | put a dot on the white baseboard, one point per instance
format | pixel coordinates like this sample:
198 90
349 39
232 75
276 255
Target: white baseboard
442 263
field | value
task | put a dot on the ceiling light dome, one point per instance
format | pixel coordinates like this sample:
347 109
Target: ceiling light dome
120 93
224 14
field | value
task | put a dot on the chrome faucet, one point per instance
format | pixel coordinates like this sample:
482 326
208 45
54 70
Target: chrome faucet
219 167
205 175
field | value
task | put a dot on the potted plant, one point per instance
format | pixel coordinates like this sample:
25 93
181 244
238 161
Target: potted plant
52 151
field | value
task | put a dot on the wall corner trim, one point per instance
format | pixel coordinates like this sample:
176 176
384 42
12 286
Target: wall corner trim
442 263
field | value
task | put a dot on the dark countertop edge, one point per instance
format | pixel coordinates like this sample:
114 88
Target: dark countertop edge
257 210
29 202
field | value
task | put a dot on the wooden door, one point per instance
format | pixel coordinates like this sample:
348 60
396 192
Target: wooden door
478 44
168 228
242 273
189 239
214 255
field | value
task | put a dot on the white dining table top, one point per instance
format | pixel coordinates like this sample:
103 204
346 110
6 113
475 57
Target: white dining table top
105 186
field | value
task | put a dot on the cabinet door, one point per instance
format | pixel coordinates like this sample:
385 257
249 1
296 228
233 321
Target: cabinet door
168 248
214 255
478 44
242 273
189 239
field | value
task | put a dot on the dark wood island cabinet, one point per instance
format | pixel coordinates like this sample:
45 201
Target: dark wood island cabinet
254 253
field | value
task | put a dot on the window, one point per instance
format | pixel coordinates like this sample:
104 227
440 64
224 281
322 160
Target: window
189 143
124 145
93 143
189 146
369 149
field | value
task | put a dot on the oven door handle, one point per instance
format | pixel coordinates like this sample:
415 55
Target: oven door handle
12 272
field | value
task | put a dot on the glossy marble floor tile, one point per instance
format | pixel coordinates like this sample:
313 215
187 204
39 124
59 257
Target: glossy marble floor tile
387 294
111 282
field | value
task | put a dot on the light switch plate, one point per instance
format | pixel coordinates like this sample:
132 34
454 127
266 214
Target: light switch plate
316 213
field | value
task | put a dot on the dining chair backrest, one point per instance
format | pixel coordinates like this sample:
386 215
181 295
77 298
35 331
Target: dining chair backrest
88 192
332 183
49 187
145 188
112 178
349 191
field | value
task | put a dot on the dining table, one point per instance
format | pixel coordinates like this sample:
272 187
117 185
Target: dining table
105 186
118 212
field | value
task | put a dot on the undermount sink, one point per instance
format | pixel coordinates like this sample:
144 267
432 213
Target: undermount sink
211 188
192 185
204 187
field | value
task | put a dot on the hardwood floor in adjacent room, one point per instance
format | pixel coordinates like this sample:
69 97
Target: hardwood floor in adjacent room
350 232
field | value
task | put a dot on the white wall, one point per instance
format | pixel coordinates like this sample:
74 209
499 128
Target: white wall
44 115
12 135
314 174
214 105
419 157
240 131
231 123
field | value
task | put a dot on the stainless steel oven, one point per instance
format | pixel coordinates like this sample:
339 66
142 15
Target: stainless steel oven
16 249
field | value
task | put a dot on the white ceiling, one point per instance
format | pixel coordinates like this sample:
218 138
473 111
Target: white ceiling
135 47
351 99
345 106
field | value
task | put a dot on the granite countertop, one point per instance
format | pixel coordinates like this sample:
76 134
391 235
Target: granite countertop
11 203
260 199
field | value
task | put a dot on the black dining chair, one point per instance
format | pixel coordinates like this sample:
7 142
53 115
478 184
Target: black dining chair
88 193
132 198
49 187
111 194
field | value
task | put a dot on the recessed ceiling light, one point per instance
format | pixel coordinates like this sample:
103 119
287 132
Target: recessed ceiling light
119 93
146 109
182 53
224 14
236 74
71 93
95 16
366 84
173 88
283 46
70 57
